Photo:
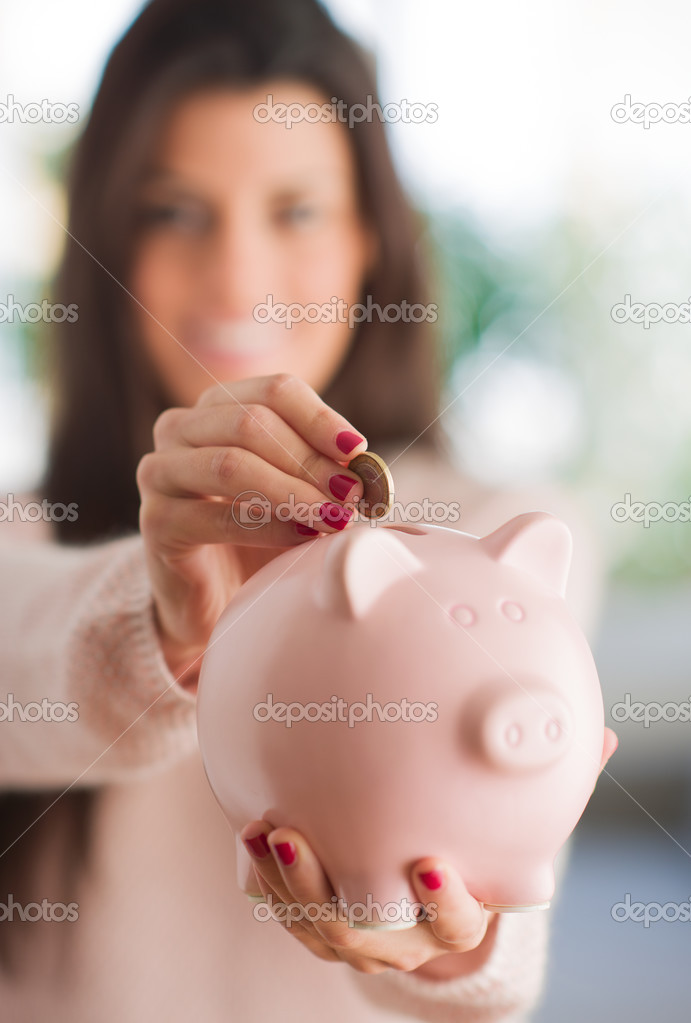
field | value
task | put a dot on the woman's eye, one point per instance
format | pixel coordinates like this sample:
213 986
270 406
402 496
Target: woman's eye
300 213
185 218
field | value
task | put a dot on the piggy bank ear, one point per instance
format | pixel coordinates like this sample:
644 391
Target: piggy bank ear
537 543
360 565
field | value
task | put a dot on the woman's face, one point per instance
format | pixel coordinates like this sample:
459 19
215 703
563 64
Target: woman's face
238 214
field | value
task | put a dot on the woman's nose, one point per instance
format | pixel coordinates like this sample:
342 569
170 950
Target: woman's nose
241 270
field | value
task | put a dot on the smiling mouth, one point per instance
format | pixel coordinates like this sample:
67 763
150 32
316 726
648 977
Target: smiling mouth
242 339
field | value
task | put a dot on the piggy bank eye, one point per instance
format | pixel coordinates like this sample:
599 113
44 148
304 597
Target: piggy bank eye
463 614
514 612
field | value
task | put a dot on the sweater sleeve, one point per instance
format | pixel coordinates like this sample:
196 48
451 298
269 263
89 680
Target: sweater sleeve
504 990
501 991
86 696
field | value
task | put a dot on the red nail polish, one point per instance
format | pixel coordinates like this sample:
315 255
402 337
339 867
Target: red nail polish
305 530
346 440
334 515
432 879
286 852
340 486
258 845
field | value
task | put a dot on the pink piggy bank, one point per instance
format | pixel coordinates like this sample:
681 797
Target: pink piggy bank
396 692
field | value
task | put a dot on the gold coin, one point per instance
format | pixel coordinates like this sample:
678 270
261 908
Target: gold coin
377 482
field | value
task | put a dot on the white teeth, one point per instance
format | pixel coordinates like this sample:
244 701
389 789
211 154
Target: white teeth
246 338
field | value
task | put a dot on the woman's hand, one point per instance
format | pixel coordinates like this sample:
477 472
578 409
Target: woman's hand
457 937
270 441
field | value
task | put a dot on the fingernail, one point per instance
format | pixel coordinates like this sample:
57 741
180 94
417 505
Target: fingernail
340 486
286 852
432 879
346 440
258 845
334 515
306 530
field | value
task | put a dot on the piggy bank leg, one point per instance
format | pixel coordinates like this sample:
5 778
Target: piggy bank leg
378 902
515 909
401 925
535 883
245 871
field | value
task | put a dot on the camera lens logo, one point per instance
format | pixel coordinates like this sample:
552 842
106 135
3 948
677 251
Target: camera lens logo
250 509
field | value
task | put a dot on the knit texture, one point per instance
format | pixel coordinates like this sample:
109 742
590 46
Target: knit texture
77 627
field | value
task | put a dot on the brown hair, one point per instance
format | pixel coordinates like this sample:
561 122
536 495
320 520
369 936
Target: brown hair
107 395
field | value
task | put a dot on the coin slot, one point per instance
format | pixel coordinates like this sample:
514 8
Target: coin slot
408 529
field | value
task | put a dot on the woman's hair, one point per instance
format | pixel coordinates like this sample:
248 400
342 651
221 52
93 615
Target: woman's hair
106 392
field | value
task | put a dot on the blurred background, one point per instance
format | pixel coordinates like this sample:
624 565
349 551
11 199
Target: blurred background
544 212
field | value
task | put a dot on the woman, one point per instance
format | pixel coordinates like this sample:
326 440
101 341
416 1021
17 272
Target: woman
188 213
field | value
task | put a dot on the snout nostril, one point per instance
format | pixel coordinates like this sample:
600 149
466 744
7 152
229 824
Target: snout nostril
513 735
553 730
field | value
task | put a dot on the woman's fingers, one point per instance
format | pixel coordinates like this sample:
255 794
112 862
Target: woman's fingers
258 491
299 405
270 879
175 525
453 915
259 429
292 871
302 874
289 871
262 454
255 836
255 463
278 912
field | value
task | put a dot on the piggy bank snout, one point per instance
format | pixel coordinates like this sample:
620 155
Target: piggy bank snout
522 728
